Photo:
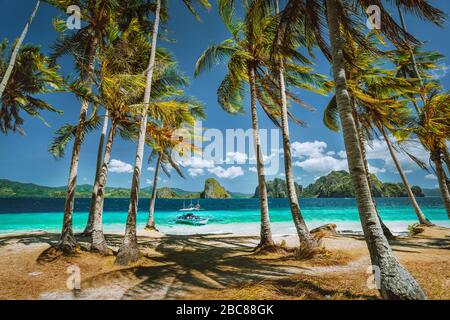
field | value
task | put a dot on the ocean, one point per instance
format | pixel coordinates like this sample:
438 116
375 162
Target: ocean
239 216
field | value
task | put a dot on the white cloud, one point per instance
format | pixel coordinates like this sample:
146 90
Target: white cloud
378 150
342 154
322 165
441 72
430 177
253 169
195 172
376 170
149 182
151 169
197 163
236 157
118 166
230 173
311 149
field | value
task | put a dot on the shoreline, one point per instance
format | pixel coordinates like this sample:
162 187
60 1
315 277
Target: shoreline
284 228
217 266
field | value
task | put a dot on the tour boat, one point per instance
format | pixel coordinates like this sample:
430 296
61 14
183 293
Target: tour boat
192 219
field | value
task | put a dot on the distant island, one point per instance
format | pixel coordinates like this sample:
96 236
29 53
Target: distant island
212 190
337 184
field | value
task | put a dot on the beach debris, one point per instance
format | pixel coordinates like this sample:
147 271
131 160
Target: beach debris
325 230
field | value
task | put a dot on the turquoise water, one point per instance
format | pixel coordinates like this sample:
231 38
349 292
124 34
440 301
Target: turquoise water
237 216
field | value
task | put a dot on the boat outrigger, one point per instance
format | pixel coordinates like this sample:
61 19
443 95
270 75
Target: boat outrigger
192 219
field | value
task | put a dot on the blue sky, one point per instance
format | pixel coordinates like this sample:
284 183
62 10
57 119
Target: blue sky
316 149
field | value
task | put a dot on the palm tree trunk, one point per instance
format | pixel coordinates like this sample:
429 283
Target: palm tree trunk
16 50
151 215
266 240
306 239
129 251
90 224
68 243
436 158
447 162
98 241
412 198
395 281
387 233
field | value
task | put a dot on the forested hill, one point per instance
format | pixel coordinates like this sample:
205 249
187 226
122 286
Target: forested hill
12 189
338 184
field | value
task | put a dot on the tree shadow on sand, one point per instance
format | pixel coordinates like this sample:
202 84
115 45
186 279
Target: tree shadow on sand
186 264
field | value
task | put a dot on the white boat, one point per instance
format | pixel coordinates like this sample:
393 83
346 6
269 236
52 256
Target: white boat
192 219
191 207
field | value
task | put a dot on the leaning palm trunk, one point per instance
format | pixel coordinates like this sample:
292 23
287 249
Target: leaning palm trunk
420 215
395 282
19 43
446 158
151 226
129 251
68 242
266 232
90 224
98 241
387 233
306 239
442 179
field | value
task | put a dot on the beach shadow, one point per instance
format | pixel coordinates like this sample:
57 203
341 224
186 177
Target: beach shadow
186 264
28 239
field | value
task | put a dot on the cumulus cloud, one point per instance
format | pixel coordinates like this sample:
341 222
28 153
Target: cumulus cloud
197 163
311 149
322 165
378 150
151 169
195 172
236 157
431 177
118 166
376 170
230 173
253 169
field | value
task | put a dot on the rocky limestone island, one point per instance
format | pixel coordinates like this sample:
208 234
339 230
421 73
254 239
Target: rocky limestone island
277 189
213 190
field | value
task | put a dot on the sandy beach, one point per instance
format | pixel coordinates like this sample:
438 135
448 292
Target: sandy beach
218 266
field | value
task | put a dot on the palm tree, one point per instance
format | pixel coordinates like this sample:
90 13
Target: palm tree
396 282
90 224
12 61
304 236
129 251
83 45
164 150
376 92
32 75
433 130
244 52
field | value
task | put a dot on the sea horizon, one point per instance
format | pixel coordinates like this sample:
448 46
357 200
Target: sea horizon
237 216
